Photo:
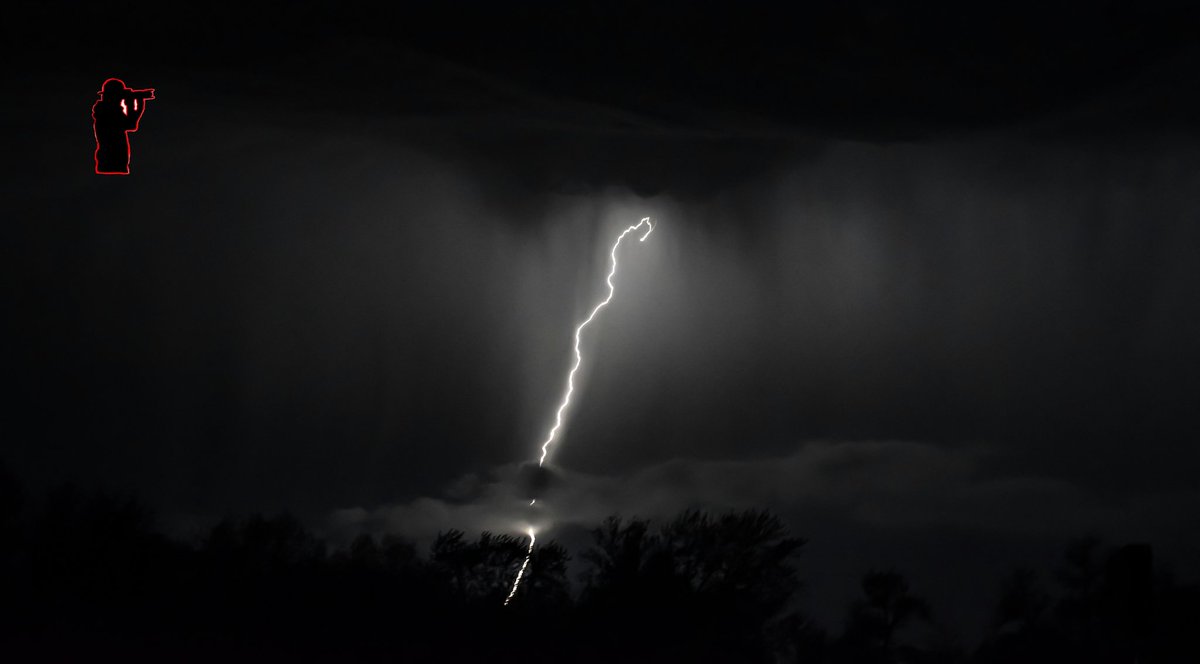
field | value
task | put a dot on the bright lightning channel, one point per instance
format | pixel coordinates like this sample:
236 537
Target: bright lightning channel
566 399
521 572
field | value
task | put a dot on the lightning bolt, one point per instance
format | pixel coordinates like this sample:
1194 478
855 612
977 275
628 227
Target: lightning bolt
566 398
521 572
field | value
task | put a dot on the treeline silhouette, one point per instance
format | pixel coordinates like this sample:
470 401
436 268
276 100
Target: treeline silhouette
87 578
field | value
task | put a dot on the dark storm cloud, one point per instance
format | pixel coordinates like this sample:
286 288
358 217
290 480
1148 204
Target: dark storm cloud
311 311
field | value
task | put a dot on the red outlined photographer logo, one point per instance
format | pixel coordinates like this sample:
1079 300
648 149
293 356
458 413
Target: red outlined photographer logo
114 116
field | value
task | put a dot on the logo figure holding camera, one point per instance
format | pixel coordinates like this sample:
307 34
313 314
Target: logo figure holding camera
114 115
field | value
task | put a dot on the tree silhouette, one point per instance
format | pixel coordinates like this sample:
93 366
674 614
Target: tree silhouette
625 557
482 571
1077 612
741 557
86 578
876 619
1021 630
796 638
1023 602
700 588
261 544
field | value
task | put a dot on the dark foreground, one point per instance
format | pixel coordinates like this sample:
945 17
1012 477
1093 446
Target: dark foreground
86 578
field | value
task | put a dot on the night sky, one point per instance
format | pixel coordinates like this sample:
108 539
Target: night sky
924 282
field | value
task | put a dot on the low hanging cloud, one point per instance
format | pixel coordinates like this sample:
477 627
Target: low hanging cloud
880 484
